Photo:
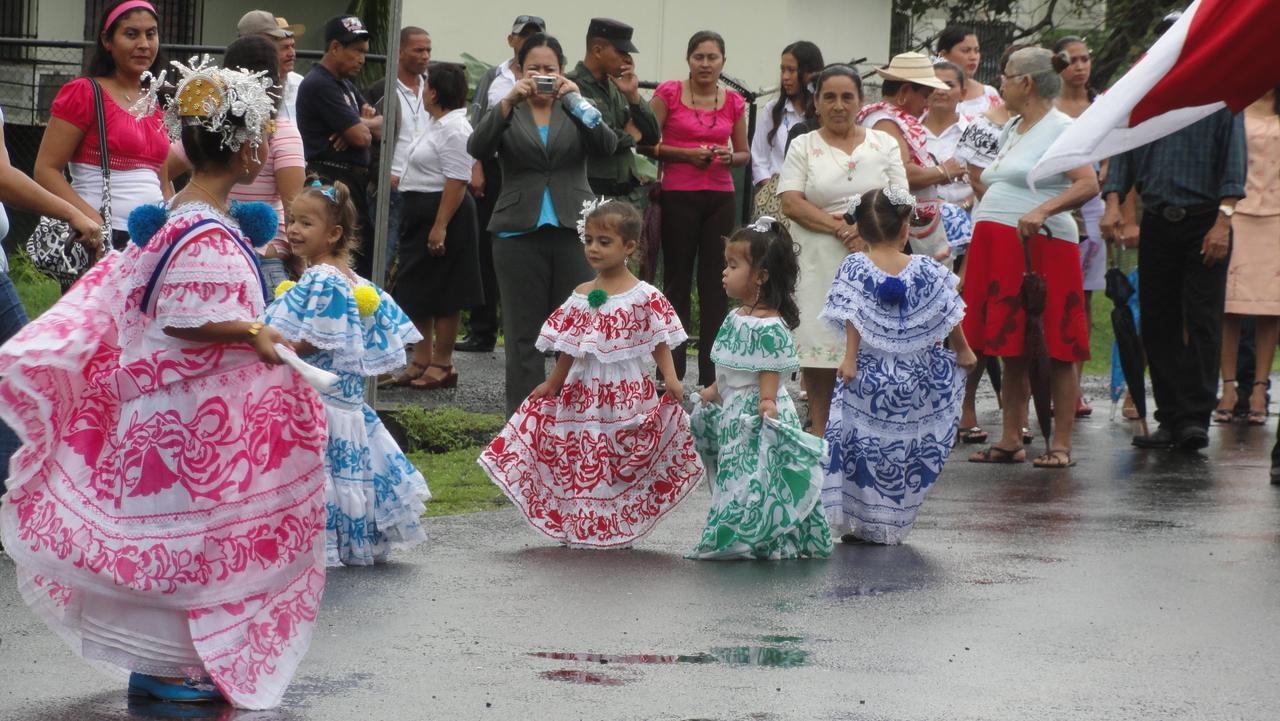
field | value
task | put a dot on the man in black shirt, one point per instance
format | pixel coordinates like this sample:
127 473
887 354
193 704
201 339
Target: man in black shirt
337 126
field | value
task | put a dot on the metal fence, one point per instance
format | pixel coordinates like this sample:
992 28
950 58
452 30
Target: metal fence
33 71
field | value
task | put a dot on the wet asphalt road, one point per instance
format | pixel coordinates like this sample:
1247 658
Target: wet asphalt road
1137 585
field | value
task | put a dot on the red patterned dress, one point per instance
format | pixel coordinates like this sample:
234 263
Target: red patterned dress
166 510
598 465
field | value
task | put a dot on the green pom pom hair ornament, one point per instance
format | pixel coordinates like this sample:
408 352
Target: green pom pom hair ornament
596 298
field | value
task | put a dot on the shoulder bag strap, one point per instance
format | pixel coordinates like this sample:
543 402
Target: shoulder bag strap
100 111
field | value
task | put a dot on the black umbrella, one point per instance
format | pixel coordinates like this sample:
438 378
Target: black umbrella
996 376
1035 348
1133 360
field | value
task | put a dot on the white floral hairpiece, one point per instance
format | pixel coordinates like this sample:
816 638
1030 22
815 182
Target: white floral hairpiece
899 195
852 212
763 224
211 97
588 207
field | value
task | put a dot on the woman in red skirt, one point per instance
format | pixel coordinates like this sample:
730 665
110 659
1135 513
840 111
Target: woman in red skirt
1011 214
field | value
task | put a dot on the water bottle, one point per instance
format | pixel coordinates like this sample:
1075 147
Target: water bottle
582 109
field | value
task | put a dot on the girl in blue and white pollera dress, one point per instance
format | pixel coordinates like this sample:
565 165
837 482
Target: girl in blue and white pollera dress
897 400
341 322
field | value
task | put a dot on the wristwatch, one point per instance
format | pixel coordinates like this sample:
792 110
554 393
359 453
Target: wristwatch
1227 210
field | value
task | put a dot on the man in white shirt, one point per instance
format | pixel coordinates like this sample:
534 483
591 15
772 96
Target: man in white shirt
482 331
284 35
412 118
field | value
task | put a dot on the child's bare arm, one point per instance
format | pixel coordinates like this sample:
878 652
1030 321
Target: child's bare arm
667 368
848 367
769 382
555 381
965 357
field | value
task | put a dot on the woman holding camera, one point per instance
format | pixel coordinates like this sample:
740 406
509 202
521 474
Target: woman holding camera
704 133
542 147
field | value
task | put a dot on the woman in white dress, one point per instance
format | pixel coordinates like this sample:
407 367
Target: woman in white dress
824 170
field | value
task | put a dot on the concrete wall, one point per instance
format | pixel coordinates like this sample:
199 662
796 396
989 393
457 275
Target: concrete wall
60 19
754 30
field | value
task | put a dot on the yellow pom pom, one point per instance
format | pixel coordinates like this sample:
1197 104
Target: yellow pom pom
284 287
367 300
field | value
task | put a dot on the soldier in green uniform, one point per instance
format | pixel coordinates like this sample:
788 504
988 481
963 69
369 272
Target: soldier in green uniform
606 76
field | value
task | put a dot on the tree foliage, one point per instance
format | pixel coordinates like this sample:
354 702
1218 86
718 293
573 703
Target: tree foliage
1127 31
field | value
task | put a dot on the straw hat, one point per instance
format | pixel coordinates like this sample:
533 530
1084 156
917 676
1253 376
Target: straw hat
297 30
912 68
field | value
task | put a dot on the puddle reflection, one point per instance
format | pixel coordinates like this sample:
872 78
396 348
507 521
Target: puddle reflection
766 656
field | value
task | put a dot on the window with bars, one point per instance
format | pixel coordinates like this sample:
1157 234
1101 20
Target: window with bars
17 20
181 21
993 38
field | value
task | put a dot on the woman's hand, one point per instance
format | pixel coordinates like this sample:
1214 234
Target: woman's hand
264 343
564 86
701 157
435 240
967 360
848 235
848 368
954 169
722 154
1030 224
88 231
520 92
768 407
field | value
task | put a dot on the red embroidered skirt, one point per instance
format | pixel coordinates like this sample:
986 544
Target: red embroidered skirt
994 322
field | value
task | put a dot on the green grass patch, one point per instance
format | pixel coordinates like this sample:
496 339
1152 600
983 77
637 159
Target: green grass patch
37 291
457 483
441 430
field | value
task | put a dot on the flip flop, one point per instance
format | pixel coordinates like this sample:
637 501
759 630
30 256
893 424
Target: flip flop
973 434
998 455
1055 458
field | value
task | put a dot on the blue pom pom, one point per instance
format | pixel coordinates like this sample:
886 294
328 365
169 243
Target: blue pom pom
891 291
258 221
145 221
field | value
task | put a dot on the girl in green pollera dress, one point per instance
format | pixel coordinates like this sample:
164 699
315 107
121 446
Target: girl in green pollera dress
765 471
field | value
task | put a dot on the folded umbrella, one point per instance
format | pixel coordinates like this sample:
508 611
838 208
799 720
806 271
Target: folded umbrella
651 236
1035 348
1133 361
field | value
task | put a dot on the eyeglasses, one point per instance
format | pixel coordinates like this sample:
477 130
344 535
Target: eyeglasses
1007 76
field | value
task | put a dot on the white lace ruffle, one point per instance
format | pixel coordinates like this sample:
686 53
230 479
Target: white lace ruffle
926 315
747 343
627 326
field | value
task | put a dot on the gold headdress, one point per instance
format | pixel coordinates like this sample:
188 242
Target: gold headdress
213 98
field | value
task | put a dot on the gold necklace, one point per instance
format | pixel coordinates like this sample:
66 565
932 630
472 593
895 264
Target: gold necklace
217 205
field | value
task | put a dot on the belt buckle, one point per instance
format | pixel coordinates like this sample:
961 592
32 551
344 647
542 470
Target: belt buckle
1173 213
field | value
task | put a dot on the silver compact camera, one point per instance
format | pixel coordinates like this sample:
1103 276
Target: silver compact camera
544 84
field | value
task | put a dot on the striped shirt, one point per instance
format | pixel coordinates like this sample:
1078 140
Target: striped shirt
284 151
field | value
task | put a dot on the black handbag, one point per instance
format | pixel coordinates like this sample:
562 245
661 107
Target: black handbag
52 246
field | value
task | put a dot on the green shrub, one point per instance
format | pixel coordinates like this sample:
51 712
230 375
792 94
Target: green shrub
442 430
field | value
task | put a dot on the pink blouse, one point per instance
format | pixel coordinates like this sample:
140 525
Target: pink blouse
689 128
132 143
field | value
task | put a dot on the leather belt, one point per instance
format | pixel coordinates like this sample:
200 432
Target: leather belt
1179 213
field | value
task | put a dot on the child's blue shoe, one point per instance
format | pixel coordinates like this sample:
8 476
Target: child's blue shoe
188 691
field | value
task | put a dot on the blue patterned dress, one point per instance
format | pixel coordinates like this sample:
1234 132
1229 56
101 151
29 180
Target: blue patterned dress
893 426
374 495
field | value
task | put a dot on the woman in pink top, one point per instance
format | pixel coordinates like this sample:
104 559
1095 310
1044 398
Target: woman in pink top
128 46
704 133
280 179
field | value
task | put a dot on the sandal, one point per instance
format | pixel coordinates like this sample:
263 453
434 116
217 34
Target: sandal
1227 414
1027 436
1129 410
405 377
973 434
996 454
1259 418
1083 409
1055 458
423 383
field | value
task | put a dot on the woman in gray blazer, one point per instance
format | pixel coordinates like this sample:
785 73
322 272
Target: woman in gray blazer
542 149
